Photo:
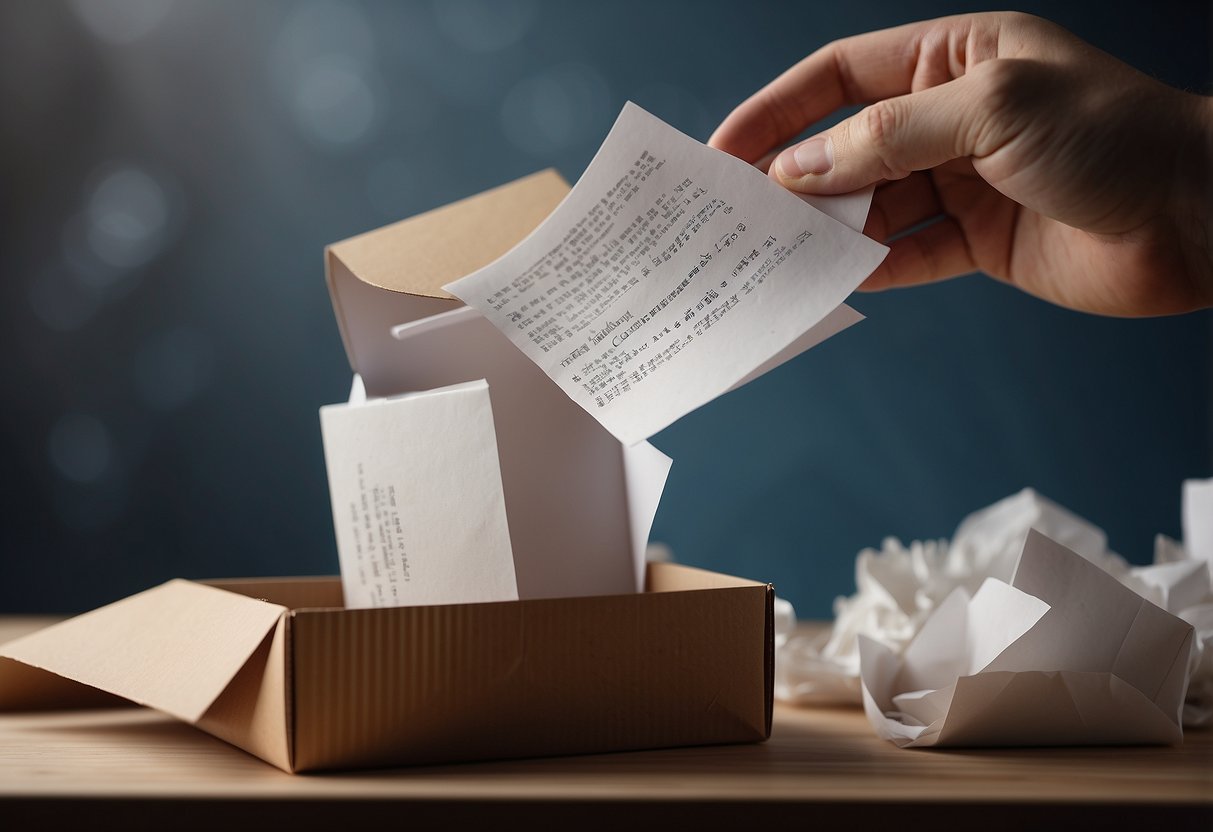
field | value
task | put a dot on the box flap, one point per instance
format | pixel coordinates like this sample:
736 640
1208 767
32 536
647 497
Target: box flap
394 275
292 593
25 688
675 577
419 255
253 711
174 647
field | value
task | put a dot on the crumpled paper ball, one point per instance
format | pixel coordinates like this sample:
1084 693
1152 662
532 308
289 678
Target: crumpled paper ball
899 586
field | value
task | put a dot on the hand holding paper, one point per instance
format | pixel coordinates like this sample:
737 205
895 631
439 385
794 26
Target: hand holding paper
668 275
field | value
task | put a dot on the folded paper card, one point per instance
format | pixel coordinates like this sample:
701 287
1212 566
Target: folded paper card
417 501
1063 655
670 273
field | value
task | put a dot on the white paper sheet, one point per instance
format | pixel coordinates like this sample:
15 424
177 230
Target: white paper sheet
417 501
645 470
849 209
852 211
1063 655
1198 519
574 523
670 273
1181 581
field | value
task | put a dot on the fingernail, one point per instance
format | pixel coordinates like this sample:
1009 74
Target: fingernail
816 156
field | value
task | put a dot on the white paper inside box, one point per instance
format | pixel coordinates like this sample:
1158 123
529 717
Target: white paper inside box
579 504
687 662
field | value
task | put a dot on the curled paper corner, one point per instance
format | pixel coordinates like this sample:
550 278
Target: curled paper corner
1064 654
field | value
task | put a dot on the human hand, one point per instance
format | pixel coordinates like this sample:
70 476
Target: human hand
1048 163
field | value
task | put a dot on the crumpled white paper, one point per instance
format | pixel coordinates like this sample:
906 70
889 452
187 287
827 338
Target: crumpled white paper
1064 654
900 586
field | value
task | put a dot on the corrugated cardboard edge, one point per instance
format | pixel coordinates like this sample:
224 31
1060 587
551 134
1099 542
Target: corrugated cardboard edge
770 659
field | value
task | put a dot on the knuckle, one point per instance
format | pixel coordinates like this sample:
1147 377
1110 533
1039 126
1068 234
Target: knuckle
1010 91
998 73
1007 83
836 52
1026 24
782 115
881 123
1019 19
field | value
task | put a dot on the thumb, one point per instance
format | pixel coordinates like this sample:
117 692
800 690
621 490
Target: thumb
893 137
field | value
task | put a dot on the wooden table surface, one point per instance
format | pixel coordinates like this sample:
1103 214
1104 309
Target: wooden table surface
141 769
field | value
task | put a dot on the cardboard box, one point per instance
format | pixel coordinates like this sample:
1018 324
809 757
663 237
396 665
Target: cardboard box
277 668
603 653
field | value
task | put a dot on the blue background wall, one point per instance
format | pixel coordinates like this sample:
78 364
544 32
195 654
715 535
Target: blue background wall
169 174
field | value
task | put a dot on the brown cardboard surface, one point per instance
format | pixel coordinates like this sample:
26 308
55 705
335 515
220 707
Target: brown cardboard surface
671 577
293 593
324 687
414 258
527 678
174 647
27 688
253 712
420 255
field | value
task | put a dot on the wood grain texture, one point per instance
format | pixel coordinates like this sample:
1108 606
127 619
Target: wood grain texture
813 754
819 763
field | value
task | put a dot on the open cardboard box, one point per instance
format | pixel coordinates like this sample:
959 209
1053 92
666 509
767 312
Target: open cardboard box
602 652
279 669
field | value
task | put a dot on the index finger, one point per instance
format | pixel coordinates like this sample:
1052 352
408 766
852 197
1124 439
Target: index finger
854 70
